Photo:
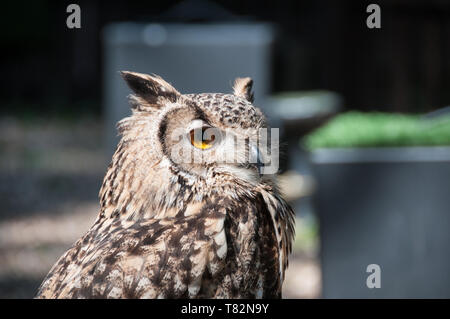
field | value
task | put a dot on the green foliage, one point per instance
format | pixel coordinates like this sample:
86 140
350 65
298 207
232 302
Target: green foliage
356 129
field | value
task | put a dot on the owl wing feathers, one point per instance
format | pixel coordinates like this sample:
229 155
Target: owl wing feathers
163 258
209 249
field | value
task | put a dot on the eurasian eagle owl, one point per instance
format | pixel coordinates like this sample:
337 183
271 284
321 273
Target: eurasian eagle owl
175 228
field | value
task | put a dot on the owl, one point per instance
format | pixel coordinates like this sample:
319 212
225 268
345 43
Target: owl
176 219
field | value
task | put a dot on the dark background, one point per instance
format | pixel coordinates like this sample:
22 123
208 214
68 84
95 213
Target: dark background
403 67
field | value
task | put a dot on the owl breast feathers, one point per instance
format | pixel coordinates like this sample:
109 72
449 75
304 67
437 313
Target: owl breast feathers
186 210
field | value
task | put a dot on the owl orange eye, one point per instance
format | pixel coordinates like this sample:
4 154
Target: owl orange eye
202 138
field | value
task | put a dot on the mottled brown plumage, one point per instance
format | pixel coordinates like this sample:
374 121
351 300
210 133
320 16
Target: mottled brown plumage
181 229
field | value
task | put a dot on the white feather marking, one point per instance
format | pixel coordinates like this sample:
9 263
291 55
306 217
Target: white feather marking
220 238
116 292
221 252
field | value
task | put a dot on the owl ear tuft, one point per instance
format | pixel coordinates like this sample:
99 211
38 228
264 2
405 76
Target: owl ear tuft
151 89
243 87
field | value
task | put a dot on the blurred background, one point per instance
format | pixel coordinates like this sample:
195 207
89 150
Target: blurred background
362 112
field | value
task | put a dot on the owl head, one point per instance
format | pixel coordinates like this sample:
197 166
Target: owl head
204 134
212 142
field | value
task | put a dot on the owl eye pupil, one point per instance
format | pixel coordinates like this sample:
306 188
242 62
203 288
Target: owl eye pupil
202 138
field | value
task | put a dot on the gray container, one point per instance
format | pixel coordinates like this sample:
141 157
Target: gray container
389 207
194 58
